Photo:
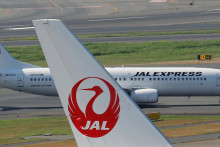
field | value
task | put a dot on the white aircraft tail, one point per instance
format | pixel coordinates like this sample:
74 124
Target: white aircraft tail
7 61
100 113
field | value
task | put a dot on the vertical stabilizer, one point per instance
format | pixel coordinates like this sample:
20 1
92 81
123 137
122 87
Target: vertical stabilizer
100 113
7 61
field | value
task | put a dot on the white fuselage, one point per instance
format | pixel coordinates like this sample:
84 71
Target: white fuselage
170 81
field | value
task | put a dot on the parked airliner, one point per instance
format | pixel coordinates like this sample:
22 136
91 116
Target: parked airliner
144 84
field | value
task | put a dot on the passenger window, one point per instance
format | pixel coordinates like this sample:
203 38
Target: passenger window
174 79
194 79
42 79
170 79
142 79
38 79
45 79
31 79
154 79
35 79
131 79
150 79
201 79
166 79
158 79
186 79
205 79
162 79
49 79
178 79
115 79
182 79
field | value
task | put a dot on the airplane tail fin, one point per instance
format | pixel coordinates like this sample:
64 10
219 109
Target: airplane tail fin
100 113
7 61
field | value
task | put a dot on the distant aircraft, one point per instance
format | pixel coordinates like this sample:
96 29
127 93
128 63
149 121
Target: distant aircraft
99 111
143 84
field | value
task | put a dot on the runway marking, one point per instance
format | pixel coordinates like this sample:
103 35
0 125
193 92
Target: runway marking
122 18
23 28
211 11
44 8
85 7
114 7
15 26
173 1
55 5
214 10
6 12
110 5
49 8
158 1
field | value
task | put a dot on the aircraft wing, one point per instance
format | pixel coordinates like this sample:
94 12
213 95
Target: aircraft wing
100 113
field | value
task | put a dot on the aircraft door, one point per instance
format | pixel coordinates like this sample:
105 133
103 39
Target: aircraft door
2 80
218 79
20 80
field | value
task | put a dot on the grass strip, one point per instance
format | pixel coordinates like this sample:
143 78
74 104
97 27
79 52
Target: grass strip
20 38
66 143
29 54
190 131
152 33
116 54
215 31
13 129
173 120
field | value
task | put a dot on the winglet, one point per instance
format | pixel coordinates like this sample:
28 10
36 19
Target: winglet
100 113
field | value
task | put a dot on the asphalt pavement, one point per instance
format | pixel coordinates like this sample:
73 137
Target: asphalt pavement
96 17
109 16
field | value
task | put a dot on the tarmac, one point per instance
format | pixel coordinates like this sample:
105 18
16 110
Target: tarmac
109 16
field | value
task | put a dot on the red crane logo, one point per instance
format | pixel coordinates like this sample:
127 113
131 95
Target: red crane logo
92 124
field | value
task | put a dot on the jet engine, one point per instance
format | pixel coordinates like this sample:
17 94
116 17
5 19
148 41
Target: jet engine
144 95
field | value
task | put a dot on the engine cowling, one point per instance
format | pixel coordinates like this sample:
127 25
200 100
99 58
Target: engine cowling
144 95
